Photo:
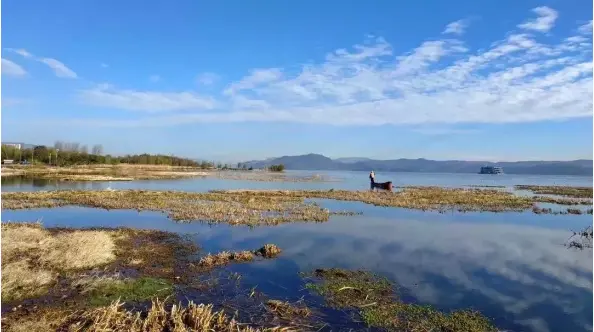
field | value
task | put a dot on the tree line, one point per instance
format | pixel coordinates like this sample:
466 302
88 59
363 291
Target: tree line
71 153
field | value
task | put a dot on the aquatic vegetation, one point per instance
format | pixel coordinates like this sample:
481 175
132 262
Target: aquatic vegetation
225 257
234 209
376 302
576 192
423 198
581 240
269 251
562 200
539 210
286 310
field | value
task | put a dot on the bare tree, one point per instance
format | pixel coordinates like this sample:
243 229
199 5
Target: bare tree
84 149
97 149
59 145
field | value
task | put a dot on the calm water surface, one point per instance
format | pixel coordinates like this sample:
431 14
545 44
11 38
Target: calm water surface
513 267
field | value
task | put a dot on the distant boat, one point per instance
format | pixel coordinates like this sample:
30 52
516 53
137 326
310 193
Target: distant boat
491 170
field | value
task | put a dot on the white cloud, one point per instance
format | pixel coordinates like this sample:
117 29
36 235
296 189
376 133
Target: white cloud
148 101
544 22
586 28
440 82
457 27
12 69
256 77
207 78
154 78
104 65
58 67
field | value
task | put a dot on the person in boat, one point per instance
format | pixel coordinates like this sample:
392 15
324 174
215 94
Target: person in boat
372 178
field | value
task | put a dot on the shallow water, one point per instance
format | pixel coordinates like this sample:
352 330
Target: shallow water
348 180
513 267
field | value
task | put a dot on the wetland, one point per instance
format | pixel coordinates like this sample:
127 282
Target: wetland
443 253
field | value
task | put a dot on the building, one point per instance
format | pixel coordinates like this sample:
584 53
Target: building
491 170
14 144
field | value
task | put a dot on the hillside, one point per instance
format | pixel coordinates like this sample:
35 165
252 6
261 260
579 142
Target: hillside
319 162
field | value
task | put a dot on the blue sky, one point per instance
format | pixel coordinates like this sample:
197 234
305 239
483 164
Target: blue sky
237 80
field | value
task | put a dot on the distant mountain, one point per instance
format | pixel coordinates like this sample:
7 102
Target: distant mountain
351 160
319 162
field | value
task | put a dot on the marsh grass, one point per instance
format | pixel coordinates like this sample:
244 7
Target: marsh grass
575 192
376 302
35 258
234 209
422 198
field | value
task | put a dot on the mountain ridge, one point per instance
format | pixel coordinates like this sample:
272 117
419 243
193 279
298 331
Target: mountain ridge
320 162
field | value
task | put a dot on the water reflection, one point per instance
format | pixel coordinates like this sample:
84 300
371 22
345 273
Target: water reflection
520 275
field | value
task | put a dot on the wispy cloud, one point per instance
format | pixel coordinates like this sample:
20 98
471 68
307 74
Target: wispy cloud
154 78
12 69
207 78
544 22
442 81
457 27
60 69
104 65
255 78
147 101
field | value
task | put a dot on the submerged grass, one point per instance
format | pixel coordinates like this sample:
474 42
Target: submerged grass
377 304
576 192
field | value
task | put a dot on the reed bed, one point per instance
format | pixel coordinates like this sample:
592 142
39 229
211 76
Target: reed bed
159 317
375 301
422 198
234 209
581 240
576 192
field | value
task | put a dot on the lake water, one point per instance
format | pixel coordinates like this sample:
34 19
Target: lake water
512 267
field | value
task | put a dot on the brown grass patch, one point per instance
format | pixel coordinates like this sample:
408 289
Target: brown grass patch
32 257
